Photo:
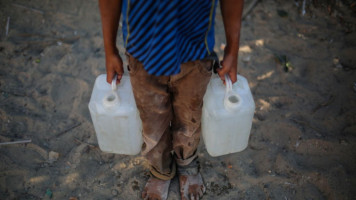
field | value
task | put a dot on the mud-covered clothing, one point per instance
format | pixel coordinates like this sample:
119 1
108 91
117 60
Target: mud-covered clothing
170 108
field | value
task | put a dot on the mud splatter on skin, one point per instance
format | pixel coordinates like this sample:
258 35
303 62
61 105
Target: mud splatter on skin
191 185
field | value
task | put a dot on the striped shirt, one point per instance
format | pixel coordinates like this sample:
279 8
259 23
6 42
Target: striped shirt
162 34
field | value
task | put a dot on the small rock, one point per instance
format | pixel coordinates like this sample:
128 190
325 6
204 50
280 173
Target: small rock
114 192
49 193
297 144
53 156
339 66
336 60
343 142
122 165
207 184
337 63
246 58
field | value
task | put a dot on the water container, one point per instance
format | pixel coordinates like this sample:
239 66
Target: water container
227 116
115 116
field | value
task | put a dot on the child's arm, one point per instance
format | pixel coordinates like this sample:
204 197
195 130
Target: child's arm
110 11
232 15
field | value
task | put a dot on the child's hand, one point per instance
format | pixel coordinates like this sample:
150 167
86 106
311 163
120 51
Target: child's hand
114 67
229 66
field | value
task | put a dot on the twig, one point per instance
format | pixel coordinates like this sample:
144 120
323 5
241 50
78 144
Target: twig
16 142
38 149
68 129
68 40
32 9
328 102
249 8
14 93
303 7
81 142
304 123
7 26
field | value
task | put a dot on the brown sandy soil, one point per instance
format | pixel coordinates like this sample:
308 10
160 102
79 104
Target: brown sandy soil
302 144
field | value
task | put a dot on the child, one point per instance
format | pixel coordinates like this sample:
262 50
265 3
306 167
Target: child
168 44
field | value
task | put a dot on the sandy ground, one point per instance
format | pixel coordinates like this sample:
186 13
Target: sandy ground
302 143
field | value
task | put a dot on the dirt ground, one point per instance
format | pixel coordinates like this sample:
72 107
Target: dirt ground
301 70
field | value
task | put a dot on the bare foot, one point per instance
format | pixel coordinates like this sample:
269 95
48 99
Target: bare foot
156 189
191 187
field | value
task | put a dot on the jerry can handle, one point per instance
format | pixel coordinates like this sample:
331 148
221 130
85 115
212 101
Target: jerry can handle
113 84
232 100
228 84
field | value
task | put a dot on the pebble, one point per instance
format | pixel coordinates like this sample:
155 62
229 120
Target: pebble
122 165
337 63
336 60
53 156
344 142
246 58
114 192
136 162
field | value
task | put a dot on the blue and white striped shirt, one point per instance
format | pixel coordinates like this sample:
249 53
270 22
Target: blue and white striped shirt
162 34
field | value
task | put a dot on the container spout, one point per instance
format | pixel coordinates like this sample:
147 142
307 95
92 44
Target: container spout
111 99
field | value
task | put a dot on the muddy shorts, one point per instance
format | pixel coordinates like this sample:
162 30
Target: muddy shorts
170 109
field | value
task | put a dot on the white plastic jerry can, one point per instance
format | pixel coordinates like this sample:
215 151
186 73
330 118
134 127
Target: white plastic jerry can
115 116
227 116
